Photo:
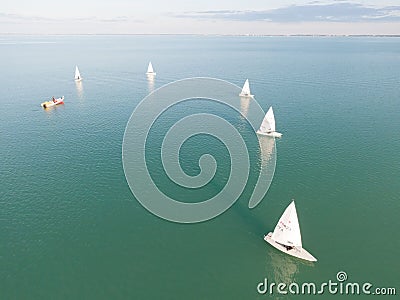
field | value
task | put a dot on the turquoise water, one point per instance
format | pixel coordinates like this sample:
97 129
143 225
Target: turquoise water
71 228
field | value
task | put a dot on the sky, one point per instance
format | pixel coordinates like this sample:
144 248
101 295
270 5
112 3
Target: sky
259 17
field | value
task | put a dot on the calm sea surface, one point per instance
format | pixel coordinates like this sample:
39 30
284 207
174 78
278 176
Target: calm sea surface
71 228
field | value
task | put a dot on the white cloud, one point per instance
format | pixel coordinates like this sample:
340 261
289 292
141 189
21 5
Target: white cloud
317 17
338 11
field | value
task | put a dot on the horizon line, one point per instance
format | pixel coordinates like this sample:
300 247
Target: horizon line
206 34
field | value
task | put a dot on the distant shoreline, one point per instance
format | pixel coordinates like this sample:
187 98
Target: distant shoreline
205 34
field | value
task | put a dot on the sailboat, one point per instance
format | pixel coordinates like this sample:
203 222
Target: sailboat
287 237
150 70
268 125
77 74
246 90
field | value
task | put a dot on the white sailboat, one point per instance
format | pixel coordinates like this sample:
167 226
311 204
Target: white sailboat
287 237
150 70
246 90
77 74
268 125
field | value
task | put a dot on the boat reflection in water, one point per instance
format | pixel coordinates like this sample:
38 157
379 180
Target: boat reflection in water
284 267
267 161
268 149
79 89
244 106
281 269
150 82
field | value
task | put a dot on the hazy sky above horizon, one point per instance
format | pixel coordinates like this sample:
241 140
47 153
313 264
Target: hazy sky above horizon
200 17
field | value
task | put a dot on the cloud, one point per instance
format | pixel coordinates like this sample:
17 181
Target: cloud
15 18
338 11
4 17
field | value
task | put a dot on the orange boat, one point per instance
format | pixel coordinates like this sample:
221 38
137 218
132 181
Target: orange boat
53 102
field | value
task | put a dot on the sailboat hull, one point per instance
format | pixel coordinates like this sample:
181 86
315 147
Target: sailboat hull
246 95
296 251
272 134
49 104
151 73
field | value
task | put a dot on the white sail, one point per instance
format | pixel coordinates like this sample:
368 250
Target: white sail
268 123
287 231
246 89
77 74
150 69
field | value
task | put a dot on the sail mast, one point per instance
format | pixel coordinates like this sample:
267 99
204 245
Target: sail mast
287 231
77 74
246 89
271 118
150 68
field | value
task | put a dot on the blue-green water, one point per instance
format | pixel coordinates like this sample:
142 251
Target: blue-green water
71 228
